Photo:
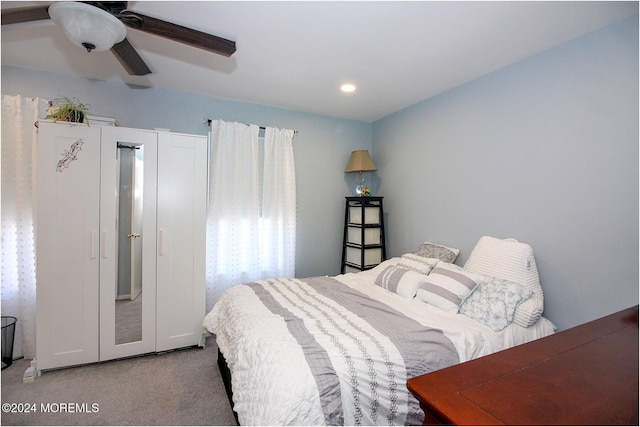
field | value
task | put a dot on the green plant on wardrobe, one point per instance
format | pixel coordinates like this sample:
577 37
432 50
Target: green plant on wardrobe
67 109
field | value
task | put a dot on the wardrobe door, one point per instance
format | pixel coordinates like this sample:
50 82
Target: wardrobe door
182 182
67 244
128 232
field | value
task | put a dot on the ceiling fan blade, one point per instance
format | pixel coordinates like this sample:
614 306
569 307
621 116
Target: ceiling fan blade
178 33
129 58
24 14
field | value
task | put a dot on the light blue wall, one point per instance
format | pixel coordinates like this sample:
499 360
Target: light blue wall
545 151
321 147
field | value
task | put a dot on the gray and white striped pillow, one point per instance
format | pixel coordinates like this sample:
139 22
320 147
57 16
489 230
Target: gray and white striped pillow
401 281
447 286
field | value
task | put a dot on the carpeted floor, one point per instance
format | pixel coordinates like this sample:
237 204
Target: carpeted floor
181 387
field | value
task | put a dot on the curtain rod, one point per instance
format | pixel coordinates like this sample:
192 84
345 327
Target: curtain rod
208 122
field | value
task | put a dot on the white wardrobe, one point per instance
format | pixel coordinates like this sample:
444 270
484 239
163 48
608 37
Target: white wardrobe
120 242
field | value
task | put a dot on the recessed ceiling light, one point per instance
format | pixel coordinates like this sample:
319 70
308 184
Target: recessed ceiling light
348 87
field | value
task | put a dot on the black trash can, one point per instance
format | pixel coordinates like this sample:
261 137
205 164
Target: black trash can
8 334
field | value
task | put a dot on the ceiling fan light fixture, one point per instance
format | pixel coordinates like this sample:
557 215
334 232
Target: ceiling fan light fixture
88 26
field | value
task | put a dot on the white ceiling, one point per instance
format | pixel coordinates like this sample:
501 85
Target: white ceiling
296 54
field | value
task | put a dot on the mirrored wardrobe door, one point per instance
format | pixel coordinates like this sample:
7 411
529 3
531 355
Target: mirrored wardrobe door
128 223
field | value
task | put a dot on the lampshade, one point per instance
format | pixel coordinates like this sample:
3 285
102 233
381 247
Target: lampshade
88 26
360 161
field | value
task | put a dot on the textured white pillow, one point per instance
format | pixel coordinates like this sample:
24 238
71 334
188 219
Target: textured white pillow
511 260
400 280
447 286
418 263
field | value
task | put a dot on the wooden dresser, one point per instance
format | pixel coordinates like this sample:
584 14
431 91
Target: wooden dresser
587 375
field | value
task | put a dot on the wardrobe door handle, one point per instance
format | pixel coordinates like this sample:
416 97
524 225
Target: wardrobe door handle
94 244
160 242
103 244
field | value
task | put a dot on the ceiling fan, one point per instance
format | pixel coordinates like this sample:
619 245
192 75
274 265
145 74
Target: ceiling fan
101 26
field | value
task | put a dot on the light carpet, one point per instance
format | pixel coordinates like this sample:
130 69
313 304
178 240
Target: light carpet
181 387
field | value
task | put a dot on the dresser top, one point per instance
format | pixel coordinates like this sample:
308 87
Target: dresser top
583 375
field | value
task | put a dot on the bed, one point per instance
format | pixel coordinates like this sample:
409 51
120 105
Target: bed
339 350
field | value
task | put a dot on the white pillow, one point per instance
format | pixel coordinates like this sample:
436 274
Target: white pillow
494 302
400 280
511 260
418 263
434 250
447 286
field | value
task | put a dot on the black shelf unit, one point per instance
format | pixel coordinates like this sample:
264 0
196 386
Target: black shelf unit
363 244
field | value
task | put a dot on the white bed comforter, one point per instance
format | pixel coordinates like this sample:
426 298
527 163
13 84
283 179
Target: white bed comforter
277 373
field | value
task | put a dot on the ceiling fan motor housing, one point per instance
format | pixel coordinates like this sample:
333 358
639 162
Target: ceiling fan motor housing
88 26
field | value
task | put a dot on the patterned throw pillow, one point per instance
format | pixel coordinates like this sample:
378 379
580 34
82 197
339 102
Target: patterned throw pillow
494 302
400 280
447 286
434 250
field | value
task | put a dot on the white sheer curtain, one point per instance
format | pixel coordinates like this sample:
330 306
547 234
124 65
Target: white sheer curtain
278 248
19 138
251 223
